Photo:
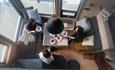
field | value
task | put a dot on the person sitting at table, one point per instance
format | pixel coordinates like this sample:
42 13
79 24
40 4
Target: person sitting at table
28 40
77 36
29 32
52 61
46 56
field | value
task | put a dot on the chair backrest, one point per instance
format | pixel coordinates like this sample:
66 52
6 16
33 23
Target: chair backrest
35 15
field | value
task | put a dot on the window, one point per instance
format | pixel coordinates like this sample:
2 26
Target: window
9 20
68 13
43 6
70 8
3 53
70 5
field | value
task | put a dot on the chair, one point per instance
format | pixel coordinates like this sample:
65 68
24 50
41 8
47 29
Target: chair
73 65
84 23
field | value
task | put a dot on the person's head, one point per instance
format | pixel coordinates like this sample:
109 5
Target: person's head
31 25
46 56
46 53
78 29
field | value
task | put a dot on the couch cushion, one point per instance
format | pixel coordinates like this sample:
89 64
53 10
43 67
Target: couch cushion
34 14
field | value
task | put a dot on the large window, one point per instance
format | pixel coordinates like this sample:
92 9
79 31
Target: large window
70 8
9 20
43 6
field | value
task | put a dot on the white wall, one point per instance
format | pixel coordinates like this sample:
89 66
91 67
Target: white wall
9 20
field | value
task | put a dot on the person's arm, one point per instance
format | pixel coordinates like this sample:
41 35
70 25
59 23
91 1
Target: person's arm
70 37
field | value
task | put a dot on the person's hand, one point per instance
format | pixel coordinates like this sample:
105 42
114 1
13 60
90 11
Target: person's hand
66 36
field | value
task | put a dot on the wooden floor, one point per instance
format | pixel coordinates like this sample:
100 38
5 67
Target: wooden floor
70 53
85 63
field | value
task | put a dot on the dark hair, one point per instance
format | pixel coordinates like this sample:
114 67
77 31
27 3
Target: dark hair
80 29
31 24
46 54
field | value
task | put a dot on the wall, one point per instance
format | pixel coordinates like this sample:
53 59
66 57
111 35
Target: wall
96 6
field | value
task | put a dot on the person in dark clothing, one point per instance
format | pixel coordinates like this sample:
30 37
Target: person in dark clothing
46 56
32 26
77 36
52 61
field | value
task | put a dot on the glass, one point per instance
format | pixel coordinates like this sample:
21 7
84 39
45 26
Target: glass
71 5
43 6
9 20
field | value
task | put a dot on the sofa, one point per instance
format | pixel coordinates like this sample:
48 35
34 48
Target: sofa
90 24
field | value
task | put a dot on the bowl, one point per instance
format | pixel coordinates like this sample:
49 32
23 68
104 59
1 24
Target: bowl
52 41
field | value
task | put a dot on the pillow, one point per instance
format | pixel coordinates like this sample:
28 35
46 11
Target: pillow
84 23
88 41
35 15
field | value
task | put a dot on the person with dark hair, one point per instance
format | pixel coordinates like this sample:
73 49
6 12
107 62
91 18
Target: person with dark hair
46 56
28 40
31 25
77 36
52 61
29 33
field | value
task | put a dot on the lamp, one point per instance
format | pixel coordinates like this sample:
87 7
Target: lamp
55 26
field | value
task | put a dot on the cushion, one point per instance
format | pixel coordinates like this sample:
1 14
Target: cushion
88 41
34 14
84 23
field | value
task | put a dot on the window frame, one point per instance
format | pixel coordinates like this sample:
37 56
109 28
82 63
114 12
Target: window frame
10 51
5 54
46 14
69 11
